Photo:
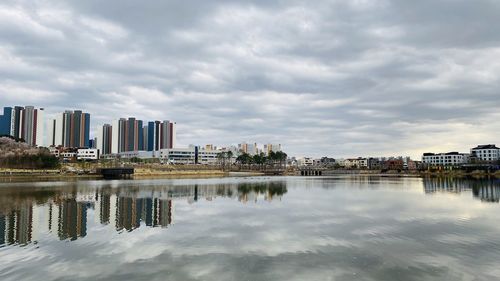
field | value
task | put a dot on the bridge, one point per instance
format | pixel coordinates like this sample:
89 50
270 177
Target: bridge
311 171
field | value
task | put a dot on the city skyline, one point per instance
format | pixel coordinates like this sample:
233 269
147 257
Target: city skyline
341 78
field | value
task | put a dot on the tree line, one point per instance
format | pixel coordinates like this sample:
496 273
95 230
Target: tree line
274 159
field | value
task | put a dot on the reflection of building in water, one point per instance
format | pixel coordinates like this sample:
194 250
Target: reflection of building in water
17 226
104 208
153 212
2 230
64 214
488 193
72 219
486 190
451 185
163 212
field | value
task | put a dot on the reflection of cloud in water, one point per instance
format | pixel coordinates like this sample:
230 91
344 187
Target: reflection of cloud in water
313 233
27 213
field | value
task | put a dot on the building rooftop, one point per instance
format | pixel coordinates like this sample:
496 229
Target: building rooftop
448 153
486 146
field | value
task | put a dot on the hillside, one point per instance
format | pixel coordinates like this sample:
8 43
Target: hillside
19 155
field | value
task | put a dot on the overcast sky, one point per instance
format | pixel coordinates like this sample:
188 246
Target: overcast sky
337 78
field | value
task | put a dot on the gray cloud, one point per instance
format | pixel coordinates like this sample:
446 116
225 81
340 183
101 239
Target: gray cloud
367 77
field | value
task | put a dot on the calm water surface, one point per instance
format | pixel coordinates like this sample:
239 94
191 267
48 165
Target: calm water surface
341 228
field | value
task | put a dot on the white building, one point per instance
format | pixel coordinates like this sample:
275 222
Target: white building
131 154
355 163
54 151
88 154
190 155
445 159
362 163
305 162
488 152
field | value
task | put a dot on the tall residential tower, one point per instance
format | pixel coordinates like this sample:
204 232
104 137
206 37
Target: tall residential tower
70 129
26 123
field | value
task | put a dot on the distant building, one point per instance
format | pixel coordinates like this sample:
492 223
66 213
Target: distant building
445 159
88 154
190 155
305 162
130 154
356 163
488 152
104 139
271 147
26 123
327 161
93 143
66 154
374 163
128 135
160 135
413 165
6 121
393 164
362 163
249 148
70 129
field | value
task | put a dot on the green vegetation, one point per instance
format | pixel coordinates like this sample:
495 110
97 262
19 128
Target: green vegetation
19 155
273 159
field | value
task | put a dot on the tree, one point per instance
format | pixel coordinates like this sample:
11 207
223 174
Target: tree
281 157
221 158
272 157
260 159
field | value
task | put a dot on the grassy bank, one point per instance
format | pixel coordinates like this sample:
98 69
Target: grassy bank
20 175
157 173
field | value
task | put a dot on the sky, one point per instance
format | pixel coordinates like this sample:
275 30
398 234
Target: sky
323 78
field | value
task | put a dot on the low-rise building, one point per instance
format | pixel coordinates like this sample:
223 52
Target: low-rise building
305 162
374 163
68 155
87 154
362 163
356 163
487 153
190 155
327 161
445 159
54 151
393 164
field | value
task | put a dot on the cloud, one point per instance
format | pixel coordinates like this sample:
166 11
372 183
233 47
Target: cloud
330 78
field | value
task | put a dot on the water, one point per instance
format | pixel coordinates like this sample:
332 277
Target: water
340 228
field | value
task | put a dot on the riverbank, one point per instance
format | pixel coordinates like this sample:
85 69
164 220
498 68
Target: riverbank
143 173
23 175
452 173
